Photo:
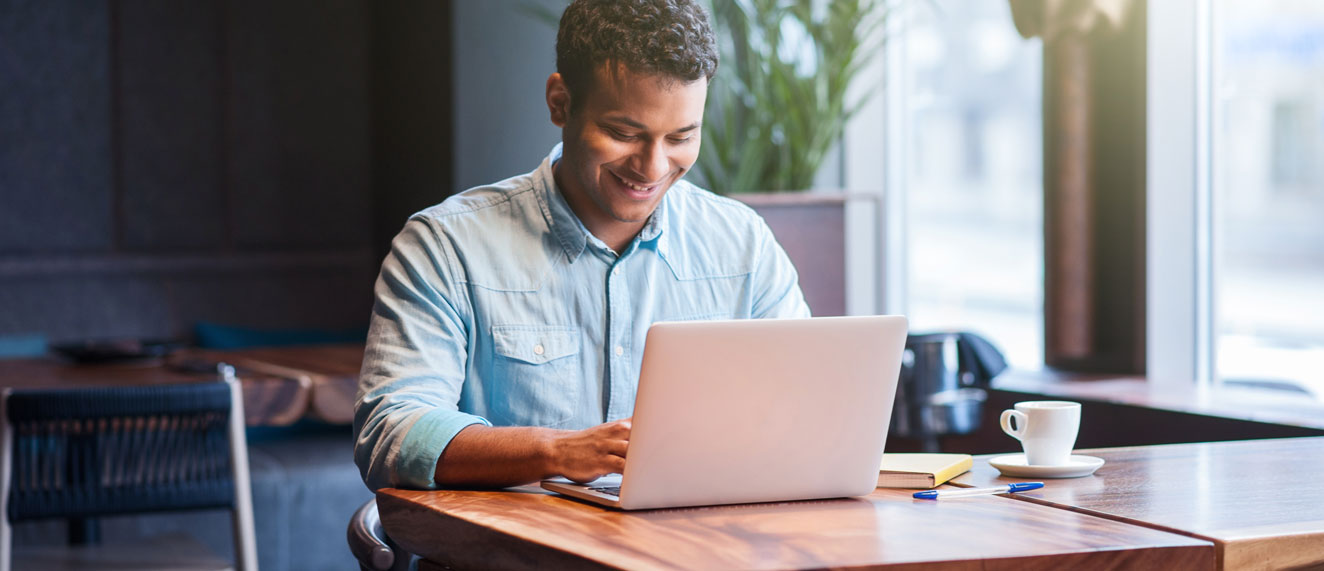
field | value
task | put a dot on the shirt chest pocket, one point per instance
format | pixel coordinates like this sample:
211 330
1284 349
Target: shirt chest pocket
536 375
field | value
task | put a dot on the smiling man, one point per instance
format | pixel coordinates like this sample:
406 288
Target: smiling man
509 325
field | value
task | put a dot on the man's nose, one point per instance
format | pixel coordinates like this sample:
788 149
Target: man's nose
653 161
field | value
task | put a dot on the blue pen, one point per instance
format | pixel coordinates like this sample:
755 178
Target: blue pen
1007 489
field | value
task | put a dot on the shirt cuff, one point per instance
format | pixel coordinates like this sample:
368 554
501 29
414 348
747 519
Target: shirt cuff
423 445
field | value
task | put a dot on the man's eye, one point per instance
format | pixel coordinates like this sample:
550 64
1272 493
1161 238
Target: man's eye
620 135
681 140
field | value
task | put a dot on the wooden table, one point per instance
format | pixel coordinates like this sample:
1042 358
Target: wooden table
526 528
1260 502
281 385
330 374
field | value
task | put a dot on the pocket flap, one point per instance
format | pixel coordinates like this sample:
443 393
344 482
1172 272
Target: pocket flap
535 344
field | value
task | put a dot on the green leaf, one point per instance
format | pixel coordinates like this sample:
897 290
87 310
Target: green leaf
778 102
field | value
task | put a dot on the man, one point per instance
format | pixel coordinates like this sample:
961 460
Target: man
509 325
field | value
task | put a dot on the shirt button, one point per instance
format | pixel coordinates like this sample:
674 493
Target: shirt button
538 350
620 350
616 271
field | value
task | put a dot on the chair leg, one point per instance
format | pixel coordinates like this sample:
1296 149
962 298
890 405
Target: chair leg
6 466
84 531
245 552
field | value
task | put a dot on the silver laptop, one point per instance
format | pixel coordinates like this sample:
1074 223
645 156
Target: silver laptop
756 410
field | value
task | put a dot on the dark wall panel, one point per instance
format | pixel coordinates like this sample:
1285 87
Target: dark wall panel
164 163
411 112
55 127
170 116
300 144
72 307
153 305
330 298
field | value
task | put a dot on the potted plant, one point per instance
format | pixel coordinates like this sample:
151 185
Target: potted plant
778 105
779 101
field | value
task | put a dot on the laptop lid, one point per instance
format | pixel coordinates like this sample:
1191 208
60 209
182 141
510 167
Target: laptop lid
761 410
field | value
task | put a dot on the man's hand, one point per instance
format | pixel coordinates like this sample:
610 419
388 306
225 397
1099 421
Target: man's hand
496 457
589 454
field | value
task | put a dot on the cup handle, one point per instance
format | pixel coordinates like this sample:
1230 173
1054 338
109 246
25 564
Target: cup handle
1021 421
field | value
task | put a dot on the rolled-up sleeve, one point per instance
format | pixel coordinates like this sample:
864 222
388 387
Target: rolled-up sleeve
414 364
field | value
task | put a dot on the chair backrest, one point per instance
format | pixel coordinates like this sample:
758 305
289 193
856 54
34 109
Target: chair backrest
73 453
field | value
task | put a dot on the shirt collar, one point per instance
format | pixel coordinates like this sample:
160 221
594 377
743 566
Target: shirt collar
562 222
573 236
652 229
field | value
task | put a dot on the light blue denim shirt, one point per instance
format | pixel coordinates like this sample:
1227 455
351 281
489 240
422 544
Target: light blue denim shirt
498 307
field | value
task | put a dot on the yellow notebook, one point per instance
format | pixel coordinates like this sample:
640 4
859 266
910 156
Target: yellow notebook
905 470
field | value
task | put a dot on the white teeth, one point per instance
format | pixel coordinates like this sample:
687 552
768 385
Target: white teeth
632 185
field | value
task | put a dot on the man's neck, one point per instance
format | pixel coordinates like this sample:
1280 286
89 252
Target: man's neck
616 234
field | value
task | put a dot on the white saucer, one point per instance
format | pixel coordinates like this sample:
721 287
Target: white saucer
1014 465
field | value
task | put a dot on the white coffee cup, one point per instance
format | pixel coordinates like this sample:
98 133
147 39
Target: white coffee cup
1046 428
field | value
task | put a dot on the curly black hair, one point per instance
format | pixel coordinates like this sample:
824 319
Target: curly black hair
671 38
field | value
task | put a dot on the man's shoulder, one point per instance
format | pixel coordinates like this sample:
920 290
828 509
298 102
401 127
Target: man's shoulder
698 205
480 201
491 235
711 235
704 213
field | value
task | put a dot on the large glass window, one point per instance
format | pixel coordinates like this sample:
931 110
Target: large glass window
974 179
1268 182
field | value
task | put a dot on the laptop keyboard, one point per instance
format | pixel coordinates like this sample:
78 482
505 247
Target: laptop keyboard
612 490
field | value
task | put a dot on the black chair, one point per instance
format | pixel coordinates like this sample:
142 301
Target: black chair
81 454
370 545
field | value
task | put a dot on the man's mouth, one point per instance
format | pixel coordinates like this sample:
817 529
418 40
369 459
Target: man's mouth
637 187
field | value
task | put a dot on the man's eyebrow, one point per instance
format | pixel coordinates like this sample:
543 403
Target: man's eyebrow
640 126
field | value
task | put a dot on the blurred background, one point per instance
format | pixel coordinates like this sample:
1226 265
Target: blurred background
1121 190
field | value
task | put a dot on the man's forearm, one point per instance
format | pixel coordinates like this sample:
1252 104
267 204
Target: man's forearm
488 456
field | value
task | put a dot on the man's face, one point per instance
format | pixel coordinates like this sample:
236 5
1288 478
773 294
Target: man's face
629 139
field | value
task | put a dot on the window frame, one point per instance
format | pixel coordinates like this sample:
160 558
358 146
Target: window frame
1179 206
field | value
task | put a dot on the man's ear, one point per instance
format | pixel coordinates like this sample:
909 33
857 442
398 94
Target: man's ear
558 100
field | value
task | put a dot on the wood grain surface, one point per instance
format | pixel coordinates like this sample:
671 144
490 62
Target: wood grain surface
269 400
527 528
332 373
1258 501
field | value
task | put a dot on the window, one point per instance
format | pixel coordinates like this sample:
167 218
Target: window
971 93
1267 139
1236 249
